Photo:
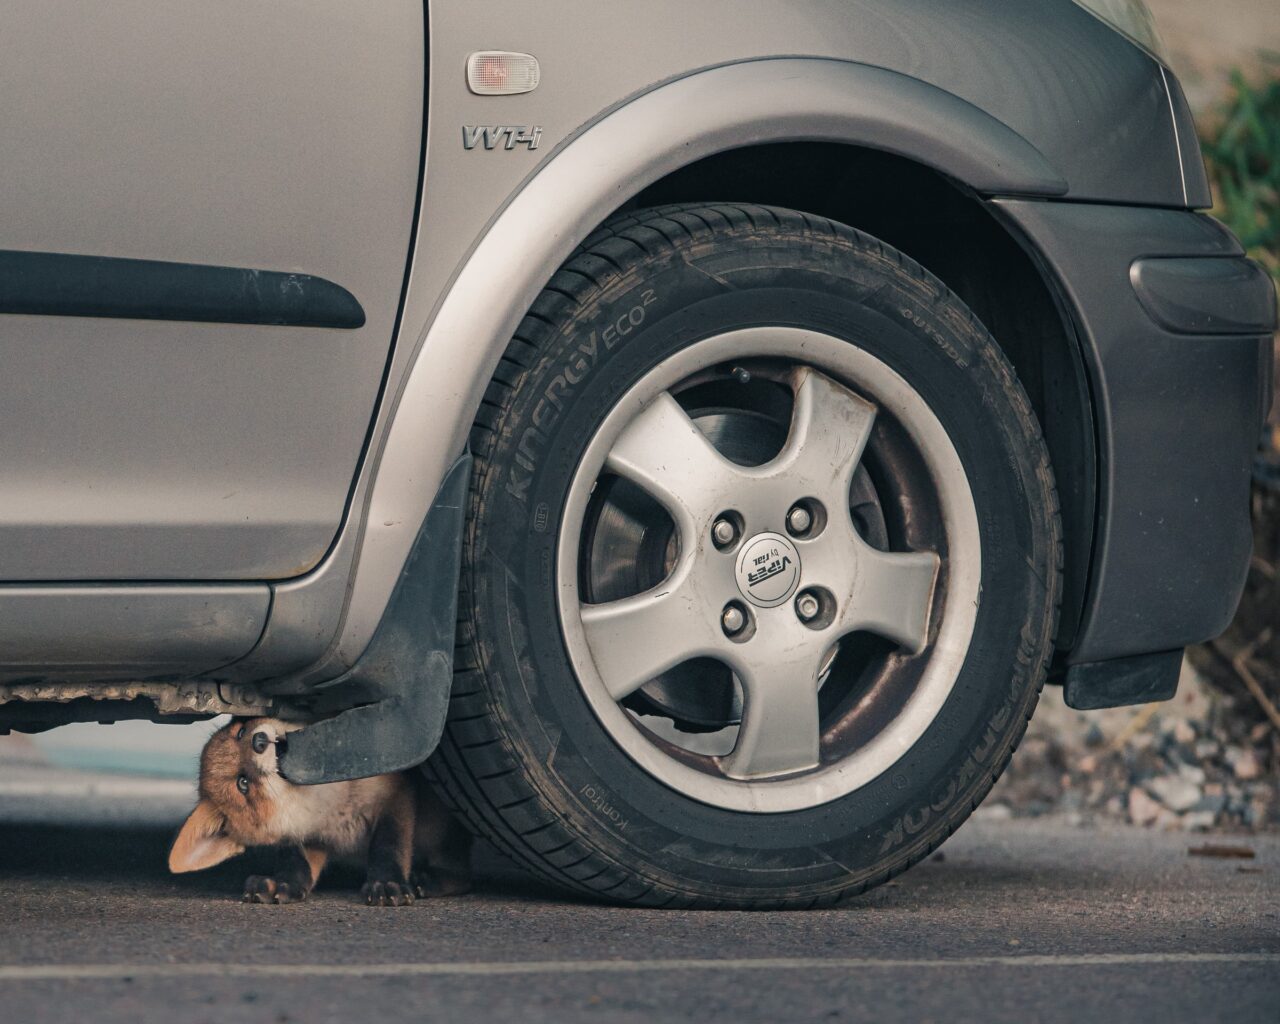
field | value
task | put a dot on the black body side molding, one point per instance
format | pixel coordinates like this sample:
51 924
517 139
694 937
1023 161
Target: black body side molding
1143 679
65 284
409 662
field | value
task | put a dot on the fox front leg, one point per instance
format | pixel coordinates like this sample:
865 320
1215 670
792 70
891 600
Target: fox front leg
297 870
390 851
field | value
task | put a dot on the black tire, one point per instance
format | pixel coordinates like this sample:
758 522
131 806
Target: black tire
524 759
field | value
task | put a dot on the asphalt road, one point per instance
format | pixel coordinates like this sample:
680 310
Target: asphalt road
1016 921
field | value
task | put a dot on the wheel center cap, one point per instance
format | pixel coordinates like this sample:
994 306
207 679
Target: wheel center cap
768 569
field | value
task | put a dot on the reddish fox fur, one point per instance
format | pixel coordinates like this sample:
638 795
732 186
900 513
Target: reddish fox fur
395 823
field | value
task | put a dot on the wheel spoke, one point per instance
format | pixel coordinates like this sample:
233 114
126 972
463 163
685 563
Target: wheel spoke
663 451
638 638
779 732
830 426
892 595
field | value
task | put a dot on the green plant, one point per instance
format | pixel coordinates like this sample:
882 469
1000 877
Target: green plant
1243 156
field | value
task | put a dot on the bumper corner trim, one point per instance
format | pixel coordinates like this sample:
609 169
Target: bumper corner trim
1205 294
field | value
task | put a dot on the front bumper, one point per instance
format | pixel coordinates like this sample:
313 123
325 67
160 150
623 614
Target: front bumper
1175 327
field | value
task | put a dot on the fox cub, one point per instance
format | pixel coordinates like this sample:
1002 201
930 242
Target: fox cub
394 822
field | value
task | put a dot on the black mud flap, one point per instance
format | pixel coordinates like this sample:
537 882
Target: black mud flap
409 662
1143 679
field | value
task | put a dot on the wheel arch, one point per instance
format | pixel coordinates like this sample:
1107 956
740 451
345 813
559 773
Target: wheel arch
629 152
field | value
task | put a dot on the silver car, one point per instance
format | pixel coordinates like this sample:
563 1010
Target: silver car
698 428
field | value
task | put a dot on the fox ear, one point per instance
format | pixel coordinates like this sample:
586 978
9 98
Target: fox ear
202 843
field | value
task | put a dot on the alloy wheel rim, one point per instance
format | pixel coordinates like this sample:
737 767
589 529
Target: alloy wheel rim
766 574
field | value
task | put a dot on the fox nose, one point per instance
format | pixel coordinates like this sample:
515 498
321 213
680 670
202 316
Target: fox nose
260 742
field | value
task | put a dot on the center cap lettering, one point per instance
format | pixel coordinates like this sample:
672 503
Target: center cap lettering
768 569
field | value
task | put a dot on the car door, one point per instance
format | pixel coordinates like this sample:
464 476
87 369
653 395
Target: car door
205 216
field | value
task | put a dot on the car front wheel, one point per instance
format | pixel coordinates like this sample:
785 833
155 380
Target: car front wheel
762 570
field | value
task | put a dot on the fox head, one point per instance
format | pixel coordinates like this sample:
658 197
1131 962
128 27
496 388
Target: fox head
240 790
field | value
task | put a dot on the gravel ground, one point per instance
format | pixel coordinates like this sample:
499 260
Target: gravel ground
1192 764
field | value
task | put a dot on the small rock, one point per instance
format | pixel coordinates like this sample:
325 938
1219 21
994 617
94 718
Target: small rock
1215 803
1247 765
994 812
1184 732
1259 732
1142 809
1198 821
1191 773
1175 792
1088 764
1206 749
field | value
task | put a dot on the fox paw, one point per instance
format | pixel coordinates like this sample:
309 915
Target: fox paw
429 884
261 889
387 894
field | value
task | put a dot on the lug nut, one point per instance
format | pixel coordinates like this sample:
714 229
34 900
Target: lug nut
733 620
807 607
799 520
724 532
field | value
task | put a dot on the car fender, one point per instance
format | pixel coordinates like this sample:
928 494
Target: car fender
592 173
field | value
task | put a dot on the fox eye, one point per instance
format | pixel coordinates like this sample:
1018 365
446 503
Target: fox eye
242 784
